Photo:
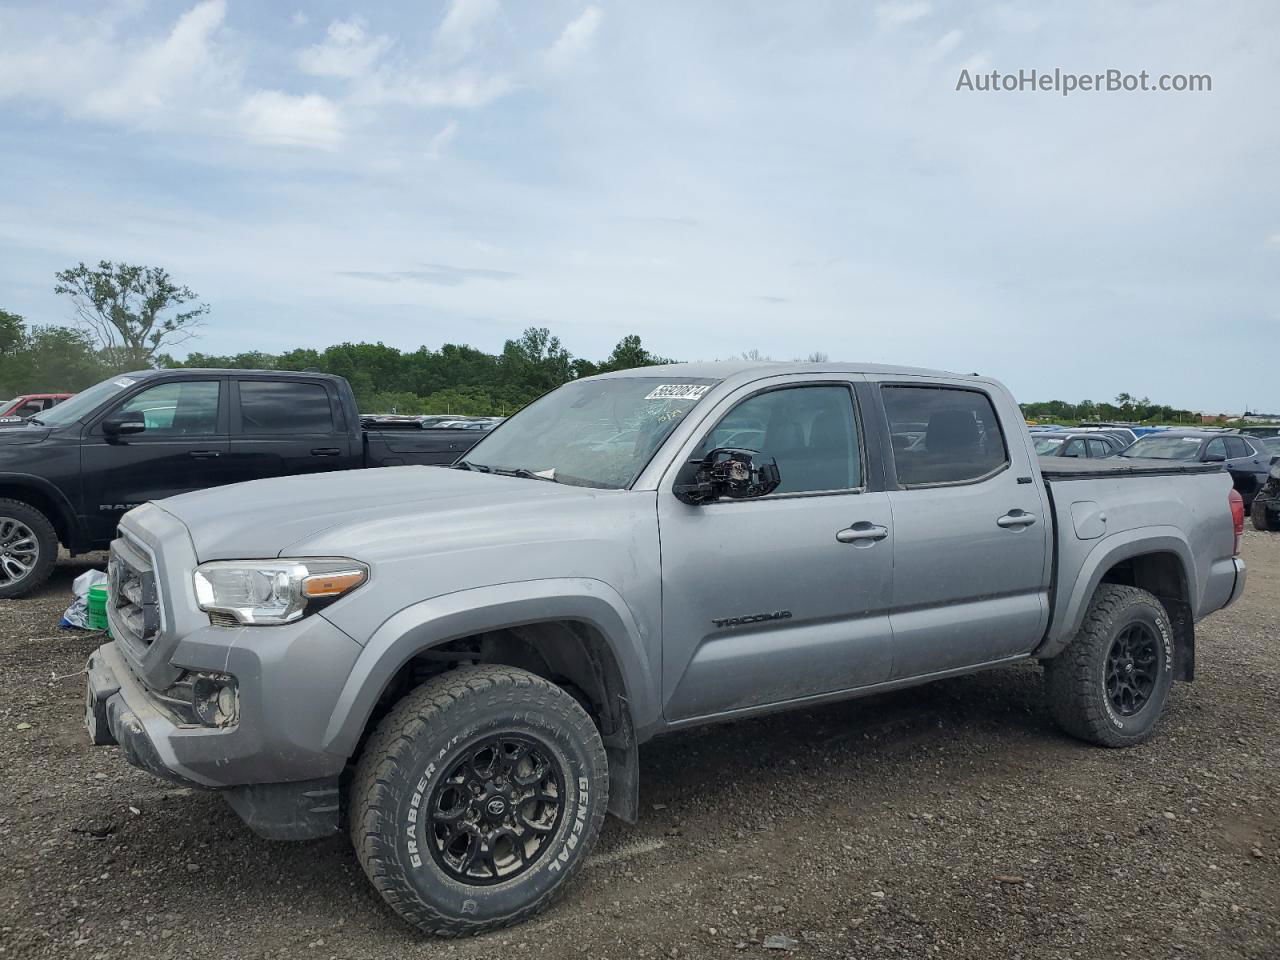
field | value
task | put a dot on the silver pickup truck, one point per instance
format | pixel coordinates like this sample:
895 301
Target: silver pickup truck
457 665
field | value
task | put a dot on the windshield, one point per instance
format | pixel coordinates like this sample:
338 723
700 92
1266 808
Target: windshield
84 402
1164 448
593 433
1047 445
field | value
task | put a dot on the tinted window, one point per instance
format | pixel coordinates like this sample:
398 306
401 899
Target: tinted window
810 431
1236 447
1075 448
943 434
29 408
184 409
276 406
1099 448
1216 448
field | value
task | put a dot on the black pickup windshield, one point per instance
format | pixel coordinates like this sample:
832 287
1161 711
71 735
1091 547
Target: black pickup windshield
86 401
594 433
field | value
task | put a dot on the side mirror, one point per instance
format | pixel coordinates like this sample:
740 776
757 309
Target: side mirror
1214 458
125 422
729 472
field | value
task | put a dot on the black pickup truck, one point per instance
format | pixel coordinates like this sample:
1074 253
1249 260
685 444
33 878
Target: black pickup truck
69 473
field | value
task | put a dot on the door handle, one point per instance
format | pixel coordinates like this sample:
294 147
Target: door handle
862 532
203 454
1016 519
325 452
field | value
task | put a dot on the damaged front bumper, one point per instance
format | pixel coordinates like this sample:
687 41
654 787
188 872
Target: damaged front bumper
119 711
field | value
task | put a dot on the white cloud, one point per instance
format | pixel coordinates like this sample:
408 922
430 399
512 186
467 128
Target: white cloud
347 51
1274 240
901 11
456 36
442 139
947 42
575 39
270 116
299 19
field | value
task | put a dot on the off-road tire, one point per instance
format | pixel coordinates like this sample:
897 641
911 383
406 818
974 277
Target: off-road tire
412 750
47 542
1076 679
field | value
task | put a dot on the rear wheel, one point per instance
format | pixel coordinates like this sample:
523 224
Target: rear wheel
28 548
1110 684
477 798
1265 514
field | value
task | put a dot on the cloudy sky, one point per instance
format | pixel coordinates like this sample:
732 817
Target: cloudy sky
715 176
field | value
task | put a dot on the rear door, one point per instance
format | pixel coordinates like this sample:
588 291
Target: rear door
781 597
281 427
183 448
970 568
1247 466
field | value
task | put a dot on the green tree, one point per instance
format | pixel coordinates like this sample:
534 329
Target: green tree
12 333
131 311
628 354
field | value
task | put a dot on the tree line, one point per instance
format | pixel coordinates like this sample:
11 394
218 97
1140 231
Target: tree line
1125 407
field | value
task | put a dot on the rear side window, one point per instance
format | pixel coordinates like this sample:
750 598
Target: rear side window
1236 447
943 435
1099 448
284 407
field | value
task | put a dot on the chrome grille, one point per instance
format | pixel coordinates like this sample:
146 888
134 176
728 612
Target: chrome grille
134 604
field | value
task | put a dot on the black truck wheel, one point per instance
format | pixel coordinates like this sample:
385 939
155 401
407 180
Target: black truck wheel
477 798
28 549
1110 684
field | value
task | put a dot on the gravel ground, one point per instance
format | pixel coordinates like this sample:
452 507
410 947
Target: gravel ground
947 821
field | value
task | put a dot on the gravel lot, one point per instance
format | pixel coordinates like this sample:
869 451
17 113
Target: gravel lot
947 821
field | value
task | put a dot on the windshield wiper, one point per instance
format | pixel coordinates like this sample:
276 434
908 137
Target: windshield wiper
524 473
468 465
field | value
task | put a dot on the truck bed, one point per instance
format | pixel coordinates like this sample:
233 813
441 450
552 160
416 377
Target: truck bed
1069 468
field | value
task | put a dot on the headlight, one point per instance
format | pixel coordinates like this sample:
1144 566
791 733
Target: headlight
274 591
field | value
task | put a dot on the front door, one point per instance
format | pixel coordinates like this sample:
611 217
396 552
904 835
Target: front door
781 597
970 572
183 448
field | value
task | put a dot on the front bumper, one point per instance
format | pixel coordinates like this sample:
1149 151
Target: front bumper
281 789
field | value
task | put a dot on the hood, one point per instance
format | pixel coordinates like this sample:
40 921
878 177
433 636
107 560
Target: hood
22 432
350 513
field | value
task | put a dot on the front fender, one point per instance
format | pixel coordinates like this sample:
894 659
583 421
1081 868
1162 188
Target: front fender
430 623
1070 609
28 481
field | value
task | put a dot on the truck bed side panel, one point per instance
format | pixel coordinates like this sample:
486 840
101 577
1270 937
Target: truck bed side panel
1108 516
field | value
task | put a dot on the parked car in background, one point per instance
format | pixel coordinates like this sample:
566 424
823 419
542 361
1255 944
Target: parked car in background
1261 432
68 474
29 405
1126 433
1244 458
1087 446
459 666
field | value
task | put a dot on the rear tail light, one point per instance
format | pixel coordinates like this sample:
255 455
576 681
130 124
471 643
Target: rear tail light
1237 515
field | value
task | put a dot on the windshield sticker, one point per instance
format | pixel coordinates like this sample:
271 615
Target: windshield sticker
124 382
678 391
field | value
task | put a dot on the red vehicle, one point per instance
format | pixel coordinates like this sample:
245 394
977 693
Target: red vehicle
30 404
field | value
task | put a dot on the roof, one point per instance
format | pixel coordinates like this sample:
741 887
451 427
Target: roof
724 369
229 371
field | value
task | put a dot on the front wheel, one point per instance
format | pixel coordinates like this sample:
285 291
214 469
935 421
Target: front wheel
1110 684
28 549
477 798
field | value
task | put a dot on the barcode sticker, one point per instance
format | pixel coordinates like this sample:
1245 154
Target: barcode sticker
678 391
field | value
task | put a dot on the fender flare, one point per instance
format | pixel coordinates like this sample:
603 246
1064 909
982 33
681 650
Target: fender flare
59 499
1070 613
429 623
